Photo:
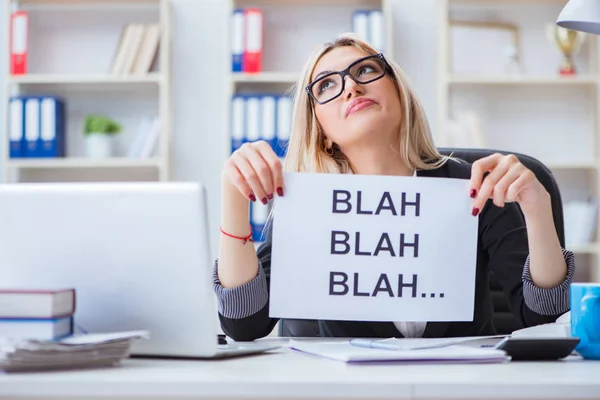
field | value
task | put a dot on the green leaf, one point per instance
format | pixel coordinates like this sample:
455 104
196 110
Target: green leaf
100 124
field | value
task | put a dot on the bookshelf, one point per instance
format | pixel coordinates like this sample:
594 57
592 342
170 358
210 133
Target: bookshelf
532 109
62 63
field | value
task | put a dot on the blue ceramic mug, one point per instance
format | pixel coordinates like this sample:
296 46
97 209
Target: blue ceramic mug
585 318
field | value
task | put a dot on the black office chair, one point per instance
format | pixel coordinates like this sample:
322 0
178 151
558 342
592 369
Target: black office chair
504 321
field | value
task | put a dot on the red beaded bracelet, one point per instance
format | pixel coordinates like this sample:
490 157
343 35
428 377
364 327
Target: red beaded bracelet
244 239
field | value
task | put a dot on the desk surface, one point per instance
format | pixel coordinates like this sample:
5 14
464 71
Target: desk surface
285 374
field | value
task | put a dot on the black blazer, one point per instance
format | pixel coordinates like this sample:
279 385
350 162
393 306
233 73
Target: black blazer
502 247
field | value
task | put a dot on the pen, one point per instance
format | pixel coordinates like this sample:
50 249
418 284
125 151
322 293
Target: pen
373 344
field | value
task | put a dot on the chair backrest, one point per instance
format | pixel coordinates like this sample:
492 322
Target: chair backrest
504 321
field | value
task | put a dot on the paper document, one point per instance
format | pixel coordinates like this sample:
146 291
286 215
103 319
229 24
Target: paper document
97 338
345 352
418 343
79 351
383 248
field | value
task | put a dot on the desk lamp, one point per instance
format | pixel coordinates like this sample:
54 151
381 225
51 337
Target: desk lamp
581 15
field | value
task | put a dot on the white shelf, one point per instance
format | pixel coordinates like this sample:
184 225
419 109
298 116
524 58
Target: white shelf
265 77
85 2
522 80
153 78
97 5
279 3
502 2
75 162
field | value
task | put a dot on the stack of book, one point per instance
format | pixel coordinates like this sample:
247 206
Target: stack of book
36 314
36 333
77 351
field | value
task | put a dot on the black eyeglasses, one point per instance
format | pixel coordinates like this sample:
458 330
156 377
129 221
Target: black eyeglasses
363 71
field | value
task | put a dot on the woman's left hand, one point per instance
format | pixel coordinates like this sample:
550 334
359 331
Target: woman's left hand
508 181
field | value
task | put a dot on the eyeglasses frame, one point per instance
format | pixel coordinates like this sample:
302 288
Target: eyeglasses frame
345 72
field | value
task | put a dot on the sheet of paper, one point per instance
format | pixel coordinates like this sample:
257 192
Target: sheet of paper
96 338
373 248
343 351
434 343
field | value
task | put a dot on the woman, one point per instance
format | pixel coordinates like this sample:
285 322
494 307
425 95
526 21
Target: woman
356 113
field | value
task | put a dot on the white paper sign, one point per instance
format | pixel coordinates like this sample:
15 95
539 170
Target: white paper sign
373 248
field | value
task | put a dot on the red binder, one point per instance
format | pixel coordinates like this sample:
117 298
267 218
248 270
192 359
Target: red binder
19 23
253 37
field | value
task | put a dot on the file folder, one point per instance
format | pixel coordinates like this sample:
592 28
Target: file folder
32 127
16 128
52 128
253 34
253 125
258 218
19 42
284 124
238 122
268 120
376 30
237 40
360 24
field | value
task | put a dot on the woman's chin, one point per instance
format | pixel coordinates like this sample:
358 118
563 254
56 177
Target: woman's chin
367 122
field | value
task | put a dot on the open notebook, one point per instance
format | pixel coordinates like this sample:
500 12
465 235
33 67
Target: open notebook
346 352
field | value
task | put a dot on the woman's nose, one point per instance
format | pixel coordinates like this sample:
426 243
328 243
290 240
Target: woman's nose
351 87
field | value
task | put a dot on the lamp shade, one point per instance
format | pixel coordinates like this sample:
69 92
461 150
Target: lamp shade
581 15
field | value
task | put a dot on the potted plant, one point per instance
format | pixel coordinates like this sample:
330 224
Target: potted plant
99 131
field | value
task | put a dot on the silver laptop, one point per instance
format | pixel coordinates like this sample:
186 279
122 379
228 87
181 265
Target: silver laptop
137 254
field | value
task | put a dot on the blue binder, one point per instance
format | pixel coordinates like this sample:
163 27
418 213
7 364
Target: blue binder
16 133
52 128
32 127
259 213
238 121
237 42
284 124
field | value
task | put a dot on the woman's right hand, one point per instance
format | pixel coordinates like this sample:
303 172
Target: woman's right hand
255 171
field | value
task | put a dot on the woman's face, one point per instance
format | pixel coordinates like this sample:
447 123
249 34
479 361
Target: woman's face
363 113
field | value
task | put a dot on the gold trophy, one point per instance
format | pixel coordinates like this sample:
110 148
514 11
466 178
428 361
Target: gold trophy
569 43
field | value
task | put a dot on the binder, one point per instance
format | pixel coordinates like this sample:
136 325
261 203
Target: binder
268 120
238 122
258 218
237 40
376 30
360 24
284 124
32 127
16 128
19 42
253 125
253 35
52 128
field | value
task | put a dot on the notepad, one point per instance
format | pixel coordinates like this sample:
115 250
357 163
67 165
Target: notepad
345 352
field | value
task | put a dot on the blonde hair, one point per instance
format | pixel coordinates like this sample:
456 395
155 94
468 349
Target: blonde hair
306 148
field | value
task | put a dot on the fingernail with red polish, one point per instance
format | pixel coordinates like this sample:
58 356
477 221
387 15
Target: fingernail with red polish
475 211
280 191
473 193
270 196
252 197
264 200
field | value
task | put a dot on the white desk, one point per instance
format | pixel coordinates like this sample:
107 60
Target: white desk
286 374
